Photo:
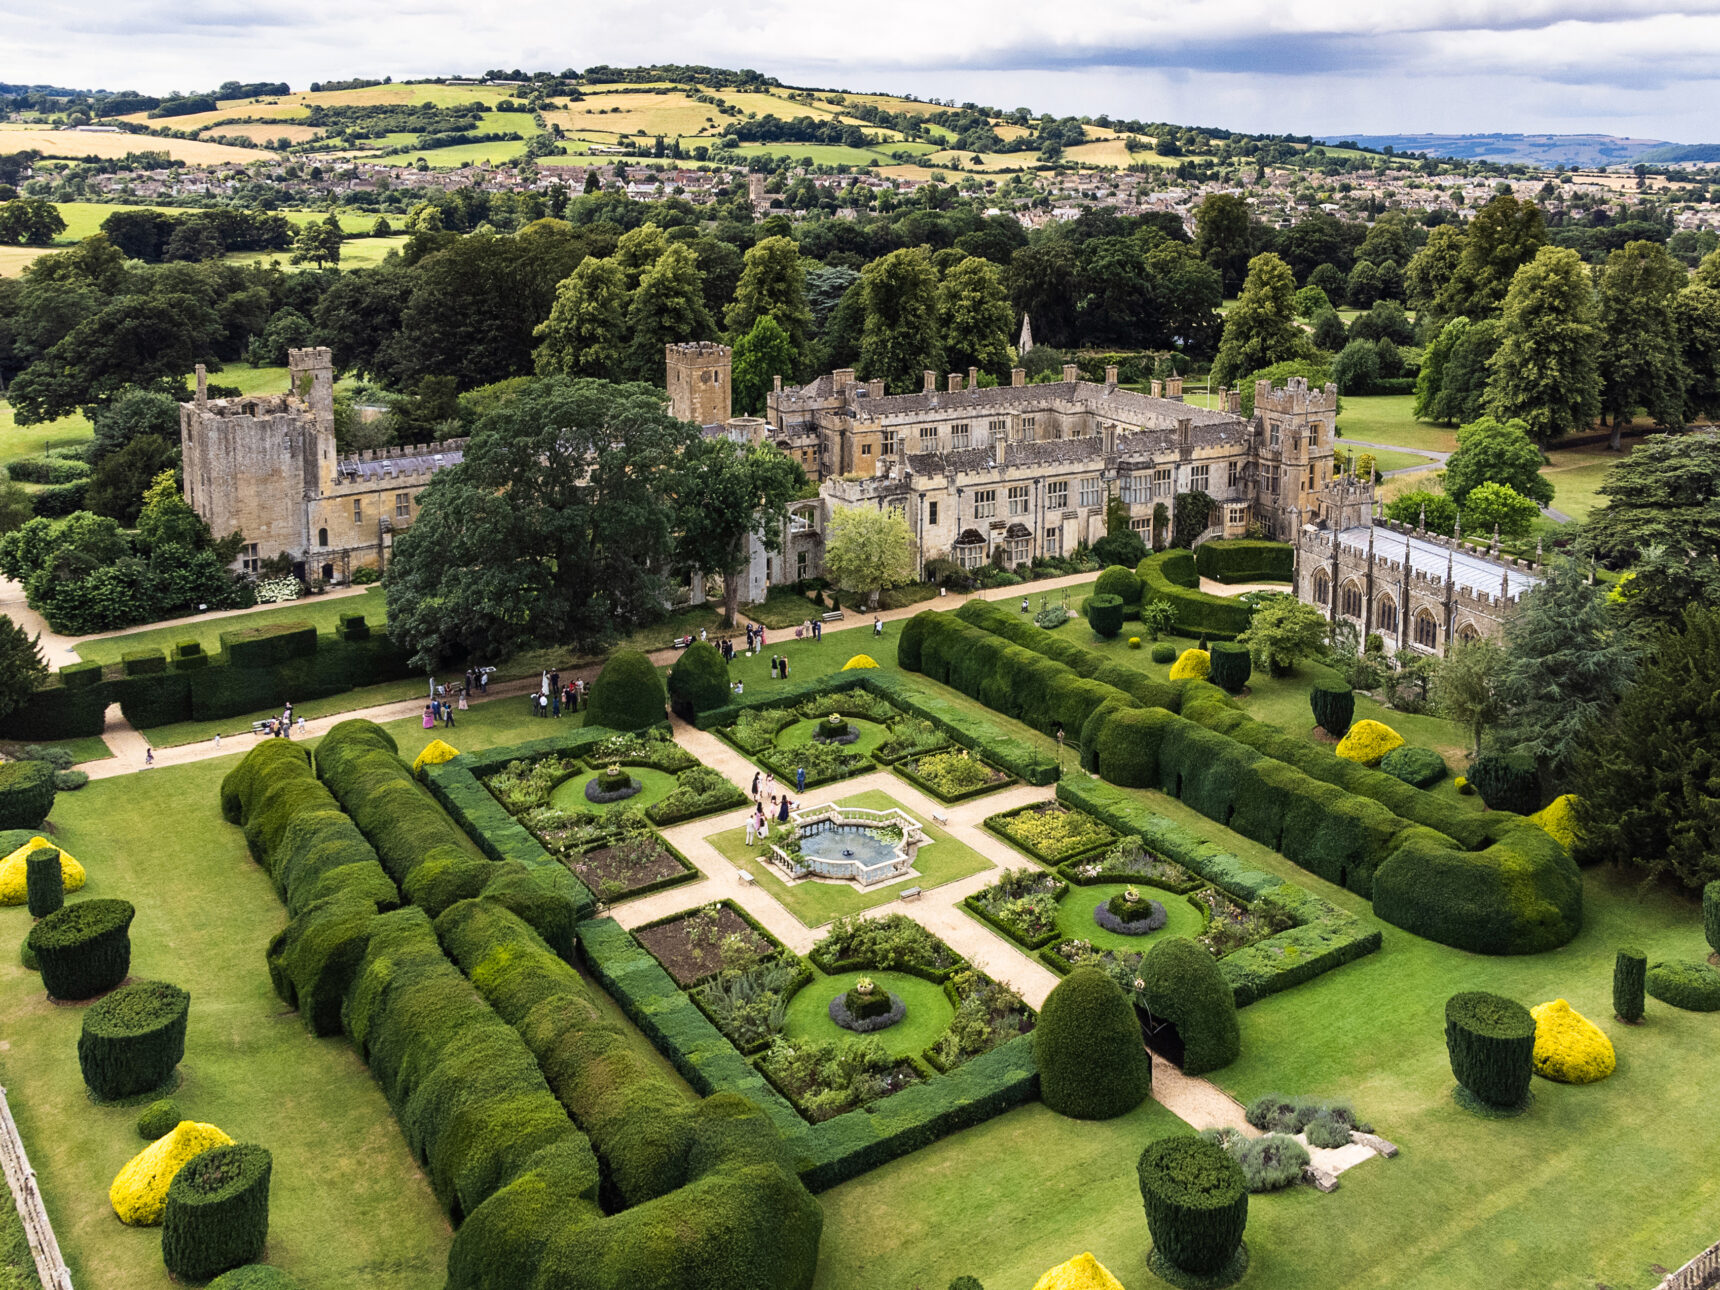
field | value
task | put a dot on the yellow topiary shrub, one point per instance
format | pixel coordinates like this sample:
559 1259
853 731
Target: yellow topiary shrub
435 753
1569 1048
139 1191
1559 819
1368 741
859 660
1083 1272
1191 665
14 874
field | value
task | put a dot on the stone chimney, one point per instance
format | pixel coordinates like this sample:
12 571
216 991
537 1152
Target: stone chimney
973 378
1111 374
842 377
1071 373
1184 426
776 383
1233 401
1108 438
1158 389
931 386
955 384
1173 388
875 389
202 384
1017 377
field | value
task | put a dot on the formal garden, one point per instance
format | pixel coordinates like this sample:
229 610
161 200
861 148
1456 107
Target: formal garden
501 1006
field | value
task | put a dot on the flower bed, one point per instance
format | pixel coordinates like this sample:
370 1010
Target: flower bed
526 784
988 1015
1130 860
1022 904
691 945
699 791
1231 925
1051 832
630 865
952 776
910 736
650 748
852 704
824 1080
756 729
823 764
567 833
894 942
748 997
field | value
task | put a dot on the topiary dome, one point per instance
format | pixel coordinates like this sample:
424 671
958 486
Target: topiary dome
1092 1065
699 680
1182 984
628 693
1119 582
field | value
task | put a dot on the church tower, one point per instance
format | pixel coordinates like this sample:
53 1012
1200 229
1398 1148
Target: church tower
698 373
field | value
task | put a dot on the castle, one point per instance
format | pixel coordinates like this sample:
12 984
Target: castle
267 466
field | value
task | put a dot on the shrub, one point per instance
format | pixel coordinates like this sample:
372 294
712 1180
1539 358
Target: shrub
1191 665
26 794
1491 1043
1711 915
268 646
628 693
84 948
966 1283
365 576
1196 1199
1559 819
1164 652
262 1276
1092 1064
1181 983
217 1215
1330 1129
132 1039
1083 1272
1506 782
1464 786
1630 979
1421 767
435 753
1245 560
1368 741
1273 1162
1695 987
70 781
139 1191
1231 666
44 881
859 663
1569 1048
158 1119
1334 705
699 680
1121 582
1104 614
1170 577
1134 642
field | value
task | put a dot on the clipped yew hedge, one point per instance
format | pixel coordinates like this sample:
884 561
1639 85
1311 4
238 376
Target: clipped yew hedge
83 949
1119 581
1196 1199
1231 666
26 793
217 1215
698 681
628 693
1334 705
132 1040
1491 1042
1182 984
1104 614
1170 576
1092 1064
1245 560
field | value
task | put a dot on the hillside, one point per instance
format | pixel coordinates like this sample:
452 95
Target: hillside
1528 149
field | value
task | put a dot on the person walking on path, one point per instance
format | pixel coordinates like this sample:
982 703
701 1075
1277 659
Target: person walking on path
447 715
555 702
752 829
1024 604
782 811
756 777
800 779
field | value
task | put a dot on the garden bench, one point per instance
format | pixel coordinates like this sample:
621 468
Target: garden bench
259 727
747 879
832 616
938 817
910 893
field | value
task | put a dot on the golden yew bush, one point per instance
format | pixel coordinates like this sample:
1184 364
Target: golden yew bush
14 874
1368 741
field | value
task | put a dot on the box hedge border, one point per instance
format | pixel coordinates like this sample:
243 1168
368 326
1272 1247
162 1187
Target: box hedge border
993 825
971 905
1238 560
900 766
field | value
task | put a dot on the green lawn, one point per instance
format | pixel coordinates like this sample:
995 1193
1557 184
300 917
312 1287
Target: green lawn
654 786
942 860
88 748
33 441
800 734
1385 418
1390 459
928 1014
1576 474
322 611
1075 917
356 253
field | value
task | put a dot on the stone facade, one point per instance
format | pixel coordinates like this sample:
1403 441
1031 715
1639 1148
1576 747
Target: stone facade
267 466
698 380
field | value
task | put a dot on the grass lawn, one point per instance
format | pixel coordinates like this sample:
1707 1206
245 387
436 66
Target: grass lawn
321 611
1385 418
355 252
366 696
1075 916
942 860
1575 474
654 786
928 1014
32 441
349 1205
800 734
88 748
1390 459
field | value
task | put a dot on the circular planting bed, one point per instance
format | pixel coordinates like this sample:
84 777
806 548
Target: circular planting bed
612 785
864 735
654 786
867 1008
1131 913
1077 916
927 1012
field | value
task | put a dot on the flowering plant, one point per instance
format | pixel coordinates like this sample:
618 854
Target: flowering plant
274 590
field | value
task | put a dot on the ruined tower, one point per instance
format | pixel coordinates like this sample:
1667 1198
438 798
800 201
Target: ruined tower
698 374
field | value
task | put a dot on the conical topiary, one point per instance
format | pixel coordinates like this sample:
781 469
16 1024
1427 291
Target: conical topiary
1092 1064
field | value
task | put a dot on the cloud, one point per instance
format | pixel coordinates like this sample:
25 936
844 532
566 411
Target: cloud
1296 66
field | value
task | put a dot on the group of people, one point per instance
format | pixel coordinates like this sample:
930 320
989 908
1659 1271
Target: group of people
442 710
280 727
763 789
478 678
813 627
552 696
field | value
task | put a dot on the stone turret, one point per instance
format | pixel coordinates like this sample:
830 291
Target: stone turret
698 378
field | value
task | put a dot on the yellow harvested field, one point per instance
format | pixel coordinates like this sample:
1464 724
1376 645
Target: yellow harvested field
890 104
15 259
267 132
1112 152
640 114
284 110
74 145
1011 131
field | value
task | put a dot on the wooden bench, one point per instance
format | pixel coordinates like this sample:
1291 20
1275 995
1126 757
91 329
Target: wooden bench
832 616
910 893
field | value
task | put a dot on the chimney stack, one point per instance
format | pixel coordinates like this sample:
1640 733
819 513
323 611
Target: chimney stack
842 377
1111 374
776 382
955 383
973 378
202 384
1017 377
931 378
875 389
1158 389
1173 388
1233 401
1071 373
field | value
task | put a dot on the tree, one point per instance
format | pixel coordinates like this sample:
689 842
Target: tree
1462 393
869 550
1314 371
901 337
1641 361
1311 302
1696 315
548 531
1329 333
16 506
318 243
1432 374
729 495
585 333
762 354
30 221
1282 632
1260 329
976 317
165 518
1421 509
1547 369
668 307
1666 493
1357 367
1043 281
1225 237
1430 270
134 415
1465 689
1645 774
119 480
1504 236
22 668
773 285
1565 667
1494 452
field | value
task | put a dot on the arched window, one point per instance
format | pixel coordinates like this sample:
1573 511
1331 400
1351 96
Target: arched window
1322 587
1426 630
1350 601
1467 633
1385 614
322 537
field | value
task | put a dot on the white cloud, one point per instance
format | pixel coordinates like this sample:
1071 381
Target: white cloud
1621 66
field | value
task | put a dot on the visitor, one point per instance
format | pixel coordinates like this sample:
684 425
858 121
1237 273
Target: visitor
817 629
462 700
756 777
773 667
301 722
784 667
770 783
762 642
782 812
471 679
752 829
148 760
484 681
749 638
429 716
701 635
800 779
544 688
217 738
877 625
554 681
1024 604
555 702
739 686
763 827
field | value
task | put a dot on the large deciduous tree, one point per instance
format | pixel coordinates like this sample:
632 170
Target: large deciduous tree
548 531
1505 235
765 352
1490 451
727 496
1547 368
1226 236
668 308
869 550
586 331
1641 361
976 317
901 338
772 285
1282 632
1261 327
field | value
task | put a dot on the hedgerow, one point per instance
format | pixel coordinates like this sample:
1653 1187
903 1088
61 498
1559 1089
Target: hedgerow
1170 577
26 793
1692 986
1245 560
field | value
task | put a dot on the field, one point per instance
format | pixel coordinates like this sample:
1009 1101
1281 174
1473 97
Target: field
356 253
1576 474
1386 419
75 145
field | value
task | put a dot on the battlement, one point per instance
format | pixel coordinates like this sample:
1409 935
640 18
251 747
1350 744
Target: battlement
1295 398
698 381
400 463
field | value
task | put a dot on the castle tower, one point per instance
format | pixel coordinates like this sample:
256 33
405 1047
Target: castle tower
1295 434
698 373
312 375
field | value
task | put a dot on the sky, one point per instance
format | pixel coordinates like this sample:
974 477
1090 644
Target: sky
1627 67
